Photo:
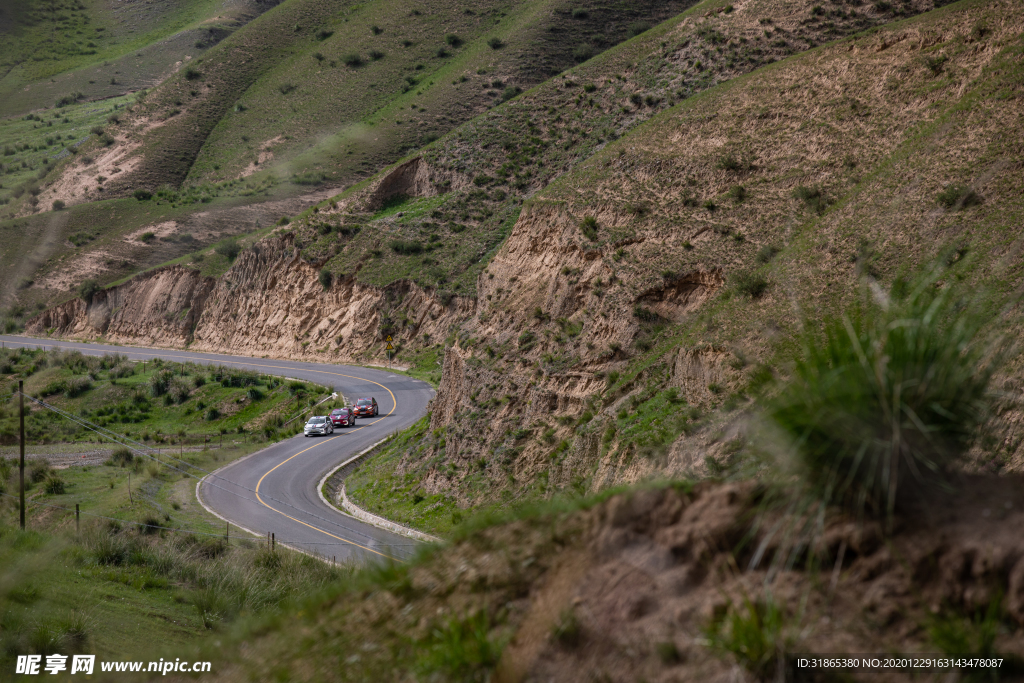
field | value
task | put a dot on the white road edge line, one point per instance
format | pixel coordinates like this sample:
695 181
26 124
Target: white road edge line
371 518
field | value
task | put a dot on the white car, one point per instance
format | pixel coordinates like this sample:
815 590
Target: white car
318 424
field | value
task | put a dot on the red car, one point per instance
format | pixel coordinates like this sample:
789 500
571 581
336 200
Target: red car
365 407
343 417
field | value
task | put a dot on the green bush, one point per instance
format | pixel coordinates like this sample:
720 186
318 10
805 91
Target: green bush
812 197
76 386
750 284
638 27
958 196
87 289
755 635
406 247
890 395
193 74
352 59
54 485
58 204
212 414
122 457
588 226
583 52
460 649
326 278
495 43
228 248
453 40
766 253
286 88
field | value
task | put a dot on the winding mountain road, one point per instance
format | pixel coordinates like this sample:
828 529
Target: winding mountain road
275 490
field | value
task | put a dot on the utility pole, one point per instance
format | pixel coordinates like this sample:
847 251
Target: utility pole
21 462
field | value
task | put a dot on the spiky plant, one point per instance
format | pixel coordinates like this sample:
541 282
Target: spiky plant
890 394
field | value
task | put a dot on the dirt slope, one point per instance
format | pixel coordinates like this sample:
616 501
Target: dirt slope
627 591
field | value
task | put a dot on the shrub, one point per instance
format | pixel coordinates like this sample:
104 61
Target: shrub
738 193
76 386
212 414
54 484
87 289
958 196
766 253
812 197
638 27
510 92
69 99
453 40
442 52
326 278
588 226
580 13
406 247
254 394
228 248
286 88
583 52
376 55
352 59
39 471
376 30
324 34
192 74
58 204
891 395
751 284
122 457
755 635
495 43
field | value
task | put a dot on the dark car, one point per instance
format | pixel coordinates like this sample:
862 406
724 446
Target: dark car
365 407
342 417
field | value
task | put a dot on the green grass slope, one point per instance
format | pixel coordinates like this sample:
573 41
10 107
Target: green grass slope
781 187
484 170
97 48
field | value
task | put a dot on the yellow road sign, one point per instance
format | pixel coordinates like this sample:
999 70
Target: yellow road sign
389 339
390 347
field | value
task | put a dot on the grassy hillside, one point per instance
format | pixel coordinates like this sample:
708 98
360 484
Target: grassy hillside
643 333
156 401
485 169
97 48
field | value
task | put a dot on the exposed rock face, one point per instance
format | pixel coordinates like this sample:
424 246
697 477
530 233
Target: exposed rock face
160 308
269 303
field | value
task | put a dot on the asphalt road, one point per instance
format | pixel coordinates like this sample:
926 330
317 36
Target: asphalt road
275 489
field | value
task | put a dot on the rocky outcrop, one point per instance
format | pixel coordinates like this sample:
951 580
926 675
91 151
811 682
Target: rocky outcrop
269 303
159 308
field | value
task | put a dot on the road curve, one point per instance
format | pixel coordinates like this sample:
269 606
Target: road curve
275 490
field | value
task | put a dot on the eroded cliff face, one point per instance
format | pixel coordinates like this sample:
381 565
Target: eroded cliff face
269 303
158 308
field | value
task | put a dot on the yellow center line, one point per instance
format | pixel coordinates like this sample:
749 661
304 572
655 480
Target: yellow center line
394 403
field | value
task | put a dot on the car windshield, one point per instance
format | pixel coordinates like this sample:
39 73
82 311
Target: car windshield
339 411
364 402
315 420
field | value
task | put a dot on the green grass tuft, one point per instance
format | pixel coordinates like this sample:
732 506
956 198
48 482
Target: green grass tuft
891 395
